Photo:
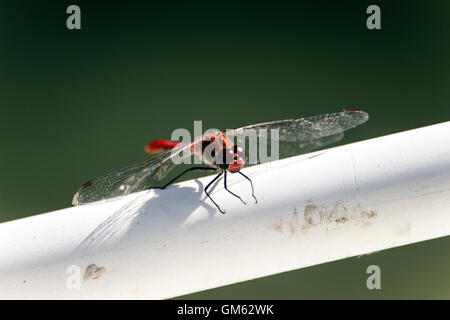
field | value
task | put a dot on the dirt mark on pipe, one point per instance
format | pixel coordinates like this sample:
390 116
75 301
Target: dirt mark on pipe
328 217
93 272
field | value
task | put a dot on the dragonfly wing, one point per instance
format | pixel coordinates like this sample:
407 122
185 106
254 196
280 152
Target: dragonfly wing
134 178
297 136
289 148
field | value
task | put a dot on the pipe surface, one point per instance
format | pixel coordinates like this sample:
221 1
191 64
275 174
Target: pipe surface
314 208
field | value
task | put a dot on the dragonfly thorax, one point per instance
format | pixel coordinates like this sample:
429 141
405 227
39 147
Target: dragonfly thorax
231 159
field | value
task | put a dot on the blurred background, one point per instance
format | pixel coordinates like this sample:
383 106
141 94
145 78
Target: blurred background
76 104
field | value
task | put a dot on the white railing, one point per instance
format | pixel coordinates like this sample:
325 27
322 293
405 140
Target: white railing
327 205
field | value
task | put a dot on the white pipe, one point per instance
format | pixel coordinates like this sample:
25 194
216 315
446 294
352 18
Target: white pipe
345 201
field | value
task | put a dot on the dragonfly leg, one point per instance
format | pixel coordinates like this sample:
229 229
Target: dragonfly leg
209 184
186 171
225 185
251 183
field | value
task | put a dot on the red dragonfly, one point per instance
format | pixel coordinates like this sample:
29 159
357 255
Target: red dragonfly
296 136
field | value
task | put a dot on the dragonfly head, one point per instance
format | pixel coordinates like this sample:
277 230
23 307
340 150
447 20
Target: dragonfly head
237 156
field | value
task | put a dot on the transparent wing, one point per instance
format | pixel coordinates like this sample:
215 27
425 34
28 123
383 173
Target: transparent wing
138 177
297 136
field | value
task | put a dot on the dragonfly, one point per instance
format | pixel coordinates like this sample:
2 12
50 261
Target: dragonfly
296 136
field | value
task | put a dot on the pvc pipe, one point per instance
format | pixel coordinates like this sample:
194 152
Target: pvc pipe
319 207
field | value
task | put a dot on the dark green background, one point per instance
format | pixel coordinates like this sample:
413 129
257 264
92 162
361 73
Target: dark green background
77 104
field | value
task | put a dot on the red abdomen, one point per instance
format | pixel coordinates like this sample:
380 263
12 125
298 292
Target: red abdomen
157 146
